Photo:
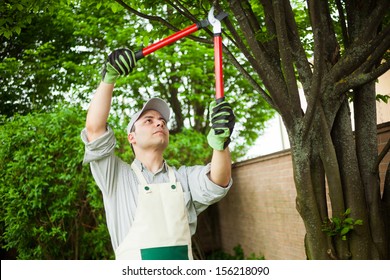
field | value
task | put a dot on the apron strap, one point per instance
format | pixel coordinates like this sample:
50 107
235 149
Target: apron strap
139 175
172 177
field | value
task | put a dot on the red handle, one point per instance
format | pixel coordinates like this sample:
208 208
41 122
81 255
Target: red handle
219 91
166 41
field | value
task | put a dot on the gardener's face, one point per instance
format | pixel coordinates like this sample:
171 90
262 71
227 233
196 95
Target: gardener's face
150 131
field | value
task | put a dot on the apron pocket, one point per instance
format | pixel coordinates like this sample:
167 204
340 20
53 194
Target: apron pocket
165 253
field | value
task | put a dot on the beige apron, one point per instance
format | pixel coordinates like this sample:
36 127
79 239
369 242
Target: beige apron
160 230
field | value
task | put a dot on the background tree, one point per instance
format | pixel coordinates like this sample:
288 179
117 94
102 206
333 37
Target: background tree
348 42
42 61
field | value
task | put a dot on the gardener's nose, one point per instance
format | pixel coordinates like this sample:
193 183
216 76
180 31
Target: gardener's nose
160 123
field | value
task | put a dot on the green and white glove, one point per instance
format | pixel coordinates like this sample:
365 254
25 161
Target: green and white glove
119 63
222 125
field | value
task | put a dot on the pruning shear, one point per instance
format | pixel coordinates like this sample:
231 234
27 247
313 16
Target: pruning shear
216 23
177 36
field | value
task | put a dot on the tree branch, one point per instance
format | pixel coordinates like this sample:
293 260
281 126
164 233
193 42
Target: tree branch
375 18
315 89
361 79
265 68
252 19
302 64
383 41
344 28
359 55
162 21
263 64
271 44
182 10
286 57
250 79
148 17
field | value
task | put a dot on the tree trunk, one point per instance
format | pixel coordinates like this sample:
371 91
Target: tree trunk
315 239
360 241
329 149
367 151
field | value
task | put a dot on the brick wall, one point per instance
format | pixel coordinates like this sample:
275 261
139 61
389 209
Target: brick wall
259 211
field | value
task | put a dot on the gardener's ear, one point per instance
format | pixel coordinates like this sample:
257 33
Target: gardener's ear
131 138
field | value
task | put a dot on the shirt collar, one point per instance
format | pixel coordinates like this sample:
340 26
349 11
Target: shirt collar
141 166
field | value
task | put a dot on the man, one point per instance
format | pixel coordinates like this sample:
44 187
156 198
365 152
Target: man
151 208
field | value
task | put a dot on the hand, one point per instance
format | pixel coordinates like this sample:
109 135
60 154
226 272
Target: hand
222 125
119 63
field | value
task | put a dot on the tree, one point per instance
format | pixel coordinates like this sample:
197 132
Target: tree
45 62
348 42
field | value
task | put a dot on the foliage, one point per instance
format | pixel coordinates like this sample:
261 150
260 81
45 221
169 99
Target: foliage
59 54
45 62
341 226
189 148
238 255
17 14
51 207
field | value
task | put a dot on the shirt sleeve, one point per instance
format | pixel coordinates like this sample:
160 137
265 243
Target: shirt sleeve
100 155
99 148
204 192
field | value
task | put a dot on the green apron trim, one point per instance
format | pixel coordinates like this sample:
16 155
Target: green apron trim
165 253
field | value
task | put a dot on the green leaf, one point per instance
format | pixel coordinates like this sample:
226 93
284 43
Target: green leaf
359 222
115 7
18 30
383 98
145 41
19 7
345 230
7 34
349 221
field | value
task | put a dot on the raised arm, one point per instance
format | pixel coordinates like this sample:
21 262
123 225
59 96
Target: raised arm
98 111
221 167
119 63
222 125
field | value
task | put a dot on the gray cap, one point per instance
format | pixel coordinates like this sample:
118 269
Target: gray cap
155 104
